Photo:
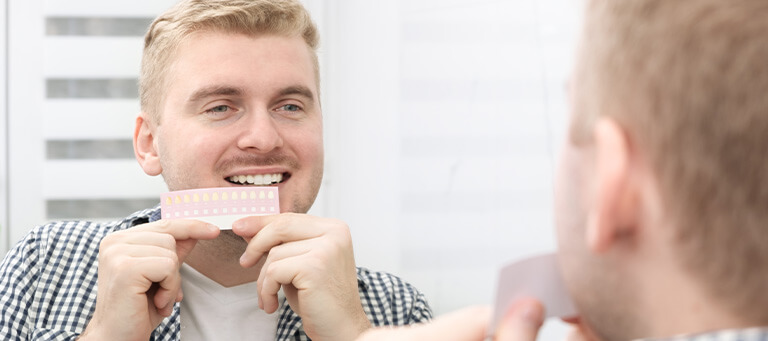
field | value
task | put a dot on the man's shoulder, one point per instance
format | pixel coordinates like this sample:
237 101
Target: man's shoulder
55 233
389 300
48 280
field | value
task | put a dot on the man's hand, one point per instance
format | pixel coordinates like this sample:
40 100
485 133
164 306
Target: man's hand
468 324
138 277
579 332
312 259
522 323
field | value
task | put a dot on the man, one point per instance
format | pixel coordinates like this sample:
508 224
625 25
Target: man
229 97
661 204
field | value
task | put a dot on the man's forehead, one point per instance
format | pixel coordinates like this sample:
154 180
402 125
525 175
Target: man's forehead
287 67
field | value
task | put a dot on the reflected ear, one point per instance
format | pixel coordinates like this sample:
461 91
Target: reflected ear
144 146
612 212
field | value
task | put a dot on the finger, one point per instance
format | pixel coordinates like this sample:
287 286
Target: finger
249 226
163 301
155 295
164 274
186 233
184 247
119 252
465 324
290 228
281 252
163 240
575 334
284 251
181 229
468 324
522 322
278 273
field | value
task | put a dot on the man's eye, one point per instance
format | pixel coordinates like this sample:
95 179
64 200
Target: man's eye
219 108
291 107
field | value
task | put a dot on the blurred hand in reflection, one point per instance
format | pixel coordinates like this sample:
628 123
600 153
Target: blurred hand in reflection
521 323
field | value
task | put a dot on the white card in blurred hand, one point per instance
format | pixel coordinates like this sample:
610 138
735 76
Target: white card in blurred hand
536 277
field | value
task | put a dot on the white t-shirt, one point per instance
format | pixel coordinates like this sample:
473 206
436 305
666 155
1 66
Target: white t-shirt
210 311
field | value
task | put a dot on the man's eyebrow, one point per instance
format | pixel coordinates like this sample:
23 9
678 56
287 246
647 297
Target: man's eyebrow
215 90
298 90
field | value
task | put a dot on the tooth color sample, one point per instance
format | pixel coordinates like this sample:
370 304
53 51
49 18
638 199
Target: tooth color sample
220 206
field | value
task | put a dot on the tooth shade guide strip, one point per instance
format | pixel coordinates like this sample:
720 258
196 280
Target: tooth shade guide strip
205 202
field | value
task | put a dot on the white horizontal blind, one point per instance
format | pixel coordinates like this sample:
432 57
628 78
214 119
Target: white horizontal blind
74 68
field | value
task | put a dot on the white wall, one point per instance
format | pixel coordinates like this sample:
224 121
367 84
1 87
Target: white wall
4 229
442 119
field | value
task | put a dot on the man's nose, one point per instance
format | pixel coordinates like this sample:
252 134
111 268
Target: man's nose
260 133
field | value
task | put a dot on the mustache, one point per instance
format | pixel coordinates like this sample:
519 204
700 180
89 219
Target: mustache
243 161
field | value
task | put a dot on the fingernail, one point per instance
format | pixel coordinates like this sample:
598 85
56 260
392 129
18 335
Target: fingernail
212 227
243 259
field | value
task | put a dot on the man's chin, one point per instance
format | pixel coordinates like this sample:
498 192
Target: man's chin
231 245
230 238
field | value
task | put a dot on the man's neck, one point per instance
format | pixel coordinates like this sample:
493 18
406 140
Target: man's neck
219 260
677 304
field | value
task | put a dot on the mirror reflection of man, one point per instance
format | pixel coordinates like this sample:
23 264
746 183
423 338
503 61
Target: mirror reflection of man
662 197
229 96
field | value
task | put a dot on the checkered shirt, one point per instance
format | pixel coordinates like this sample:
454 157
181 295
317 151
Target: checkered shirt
48 287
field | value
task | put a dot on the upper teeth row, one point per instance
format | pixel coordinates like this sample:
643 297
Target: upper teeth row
259 179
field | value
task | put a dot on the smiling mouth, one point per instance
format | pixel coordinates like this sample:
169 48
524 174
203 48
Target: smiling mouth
258 179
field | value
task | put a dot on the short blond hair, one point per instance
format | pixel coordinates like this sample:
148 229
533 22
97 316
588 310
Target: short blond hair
689 81
251 17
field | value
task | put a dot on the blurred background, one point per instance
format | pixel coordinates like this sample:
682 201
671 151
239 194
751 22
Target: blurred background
443 119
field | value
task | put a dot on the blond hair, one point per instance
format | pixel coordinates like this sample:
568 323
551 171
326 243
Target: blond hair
689 81
251 17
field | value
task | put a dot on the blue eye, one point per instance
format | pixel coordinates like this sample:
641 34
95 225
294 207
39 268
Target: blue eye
219 108
291 107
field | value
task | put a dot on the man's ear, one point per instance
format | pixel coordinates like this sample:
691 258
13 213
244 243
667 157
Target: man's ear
144 146
613 212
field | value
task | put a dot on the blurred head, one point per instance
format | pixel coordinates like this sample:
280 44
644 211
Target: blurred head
684 83
230 97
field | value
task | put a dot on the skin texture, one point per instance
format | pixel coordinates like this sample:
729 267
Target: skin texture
235 105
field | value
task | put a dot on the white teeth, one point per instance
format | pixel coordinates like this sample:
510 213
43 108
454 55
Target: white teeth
257 179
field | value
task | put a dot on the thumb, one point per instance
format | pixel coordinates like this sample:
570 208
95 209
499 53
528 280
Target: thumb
183 248
522 322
